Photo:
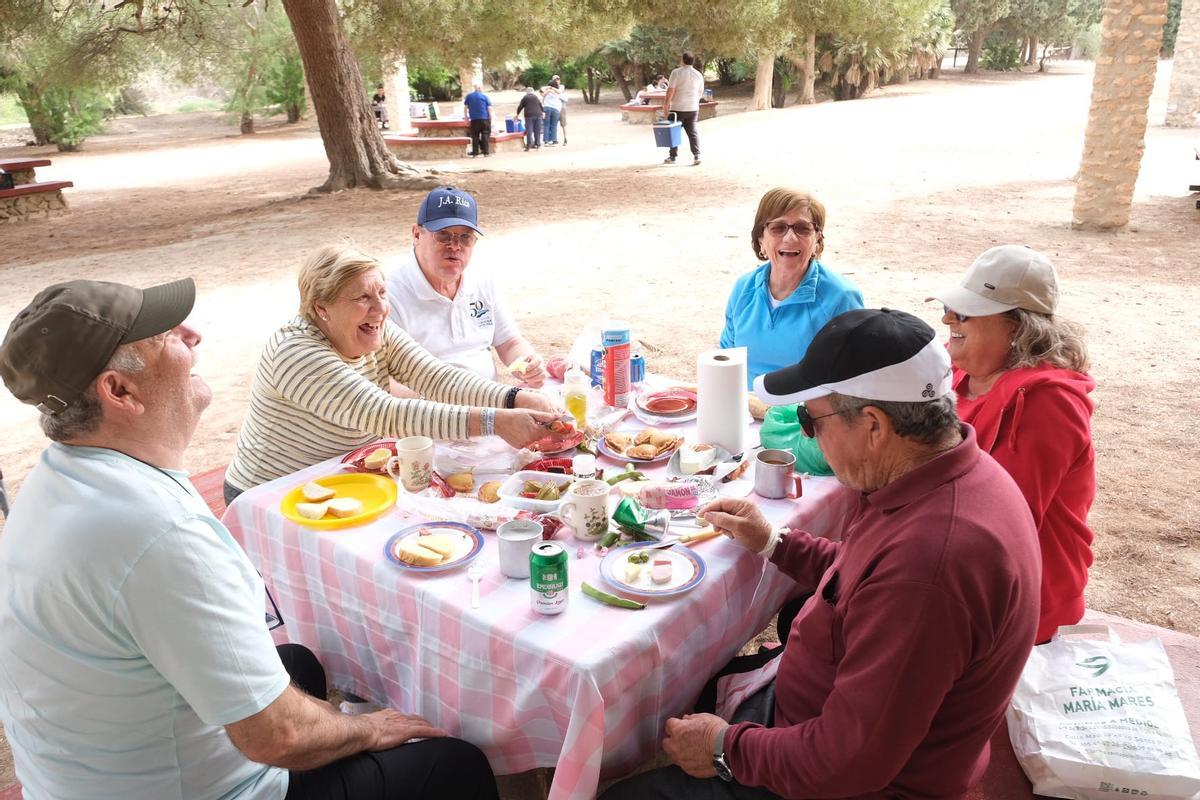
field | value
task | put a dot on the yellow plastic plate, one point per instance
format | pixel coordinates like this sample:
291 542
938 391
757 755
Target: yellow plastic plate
375 492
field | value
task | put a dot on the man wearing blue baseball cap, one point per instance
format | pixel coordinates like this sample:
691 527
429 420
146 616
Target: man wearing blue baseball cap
456 314
900 665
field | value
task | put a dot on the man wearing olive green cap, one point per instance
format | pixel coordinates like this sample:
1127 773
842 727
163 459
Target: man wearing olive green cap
136 658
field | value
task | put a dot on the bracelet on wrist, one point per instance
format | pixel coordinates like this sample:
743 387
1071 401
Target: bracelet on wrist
510 400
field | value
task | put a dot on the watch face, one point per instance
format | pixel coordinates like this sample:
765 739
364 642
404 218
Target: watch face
722 768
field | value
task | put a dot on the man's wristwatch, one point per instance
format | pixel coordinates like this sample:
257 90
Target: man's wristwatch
719 762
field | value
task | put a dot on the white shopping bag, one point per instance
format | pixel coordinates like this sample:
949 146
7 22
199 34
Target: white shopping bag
1101 719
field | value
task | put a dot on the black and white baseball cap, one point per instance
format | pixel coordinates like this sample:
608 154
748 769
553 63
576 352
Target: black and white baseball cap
875 354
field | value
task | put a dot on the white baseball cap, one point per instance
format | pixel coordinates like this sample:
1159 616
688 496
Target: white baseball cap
1005 277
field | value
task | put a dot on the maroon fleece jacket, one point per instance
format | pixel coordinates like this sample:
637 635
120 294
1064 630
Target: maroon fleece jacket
899 668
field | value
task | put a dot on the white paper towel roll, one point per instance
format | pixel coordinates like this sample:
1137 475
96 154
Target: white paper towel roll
721 398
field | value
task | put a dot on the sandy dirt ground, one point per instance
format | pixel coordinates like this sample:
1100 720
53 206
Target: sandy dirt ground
918 179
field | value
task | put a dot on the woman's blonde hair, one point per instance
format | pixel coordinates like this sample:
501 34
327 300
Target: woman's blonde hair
326 272
780 201
1046 339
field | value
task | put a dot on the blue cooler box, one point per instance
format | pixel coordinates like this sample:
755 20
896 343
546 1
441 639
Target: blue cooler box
510 125
520 126
668 133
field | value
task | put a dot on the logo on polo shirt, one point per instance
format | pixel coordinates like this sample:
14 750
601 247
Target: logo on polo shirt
481 314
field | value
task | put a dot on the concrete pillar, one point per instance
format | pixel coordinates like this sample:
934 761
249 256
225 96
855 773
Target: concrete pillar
1116 129
1183 99
395 85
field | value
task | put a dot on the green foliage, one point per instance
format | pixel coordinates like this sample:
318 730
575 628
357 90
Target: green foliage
1087 42
433 82
194 104
1000 54
537 75
75 114
11 112
973 15
1171 28
284 82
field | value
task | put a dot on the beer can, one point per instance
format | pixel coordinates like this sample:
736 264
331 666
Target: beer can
597 366
548 578
637 369
615 338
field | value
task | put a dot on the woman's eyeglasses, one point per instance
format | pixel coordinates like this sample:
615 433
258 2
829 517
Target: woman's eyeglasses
806 420
460 239
960 317
780 229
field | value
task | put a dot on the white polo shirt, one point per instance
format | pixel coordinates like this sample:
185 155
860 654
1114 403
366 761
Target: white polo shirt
461 331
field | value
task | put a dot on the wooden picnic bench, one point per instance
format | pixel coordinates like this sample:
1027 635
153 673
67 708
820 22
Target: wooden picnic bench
647 114
444 139
28 198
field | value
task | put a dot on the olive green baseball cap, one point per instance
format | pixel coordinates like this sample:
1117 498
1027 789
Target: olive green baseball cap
62 340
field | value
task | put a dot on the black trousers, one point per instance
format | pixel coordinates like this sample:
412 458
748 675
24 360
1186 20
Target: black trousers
480 128
688 118
433 769
231 493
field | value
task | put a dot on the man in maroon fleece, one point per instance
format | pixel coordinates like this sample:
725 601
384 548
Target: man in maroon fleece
899 667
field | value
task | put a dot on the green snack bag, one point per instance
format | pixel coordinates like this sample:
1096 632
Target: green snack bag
781 431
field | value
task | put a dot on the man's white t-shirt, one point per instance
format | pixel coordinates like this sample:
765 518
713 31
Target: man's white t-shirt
132 631
460 331
688 84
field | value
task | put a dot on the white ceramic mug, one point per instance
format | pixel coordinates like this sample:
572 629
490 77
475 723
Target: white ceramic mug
775 475
516 539
585 509
412 466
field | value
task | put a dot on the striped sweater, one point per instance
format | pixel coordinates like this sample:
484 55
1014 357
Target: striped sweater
308 403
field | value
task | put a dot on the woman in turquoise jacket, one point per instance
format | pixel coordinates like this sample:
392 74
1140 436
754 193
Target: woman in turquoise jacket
775 310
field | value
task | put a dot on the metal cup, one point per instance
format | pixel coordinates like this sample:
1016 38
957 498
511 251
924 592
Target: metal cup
775 476
516 539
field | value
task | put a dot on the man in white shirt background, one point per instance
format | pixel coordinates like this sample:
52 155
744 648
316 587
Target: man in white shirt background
684 90
454 312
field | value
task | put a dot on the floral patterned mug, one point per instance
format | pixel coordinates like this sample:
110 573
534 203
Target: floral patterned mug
412 466
585 509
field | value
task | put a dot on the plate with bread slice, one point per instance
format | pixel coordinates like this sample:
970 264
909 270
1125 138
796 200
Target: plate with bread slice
339 501
434 546
372 457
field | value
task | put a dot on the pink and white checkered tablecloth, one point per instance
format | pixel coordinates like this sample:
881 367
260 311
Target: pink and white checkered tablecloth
587 692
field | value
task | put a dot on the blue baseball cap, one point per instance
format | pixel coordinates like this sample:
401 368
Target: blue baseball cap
446 207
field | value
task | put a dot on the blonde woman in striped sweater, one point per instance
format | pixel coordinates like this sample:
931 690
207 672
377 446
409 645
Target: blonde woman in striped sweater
321 388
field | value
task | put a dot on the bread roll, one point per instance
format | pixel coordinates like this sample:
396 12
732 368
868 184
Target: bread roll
411 552
643 451
377 458
315 493
345 506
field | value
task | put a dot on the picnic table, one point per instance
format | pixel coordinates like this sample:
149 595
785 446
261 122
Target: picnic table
586 692
445 138
29 198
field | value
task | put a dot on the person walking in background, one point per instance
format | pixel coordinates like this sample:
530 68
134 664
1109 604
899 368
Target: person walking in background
552 103
531 107
477 108
684 90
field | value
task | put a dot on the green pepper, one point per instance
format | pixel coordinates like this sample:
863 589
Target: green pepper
629 474
609 539
611 599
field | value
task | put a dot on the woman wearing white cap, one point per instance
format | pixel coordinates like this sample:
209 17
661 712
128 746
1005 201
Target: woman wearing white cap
1020 373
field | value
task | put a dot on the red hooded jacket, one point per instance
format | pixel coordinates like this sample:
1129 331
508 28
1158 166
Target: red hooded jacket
1036 422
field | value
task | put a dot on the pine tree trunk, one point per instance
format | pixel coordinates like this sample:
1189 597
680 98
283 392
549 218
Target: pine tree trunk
354 146
974 51
762 80
247 122
293 113
1183 97
1116 129
808 94
1033 52
35 112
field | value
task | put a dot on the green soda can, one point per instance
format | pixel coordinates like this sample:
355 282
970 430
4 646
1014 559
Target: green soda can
548 577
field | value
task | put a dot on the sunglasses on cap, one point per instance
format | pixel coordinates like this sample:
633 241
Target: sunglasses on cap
806 420
960 317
